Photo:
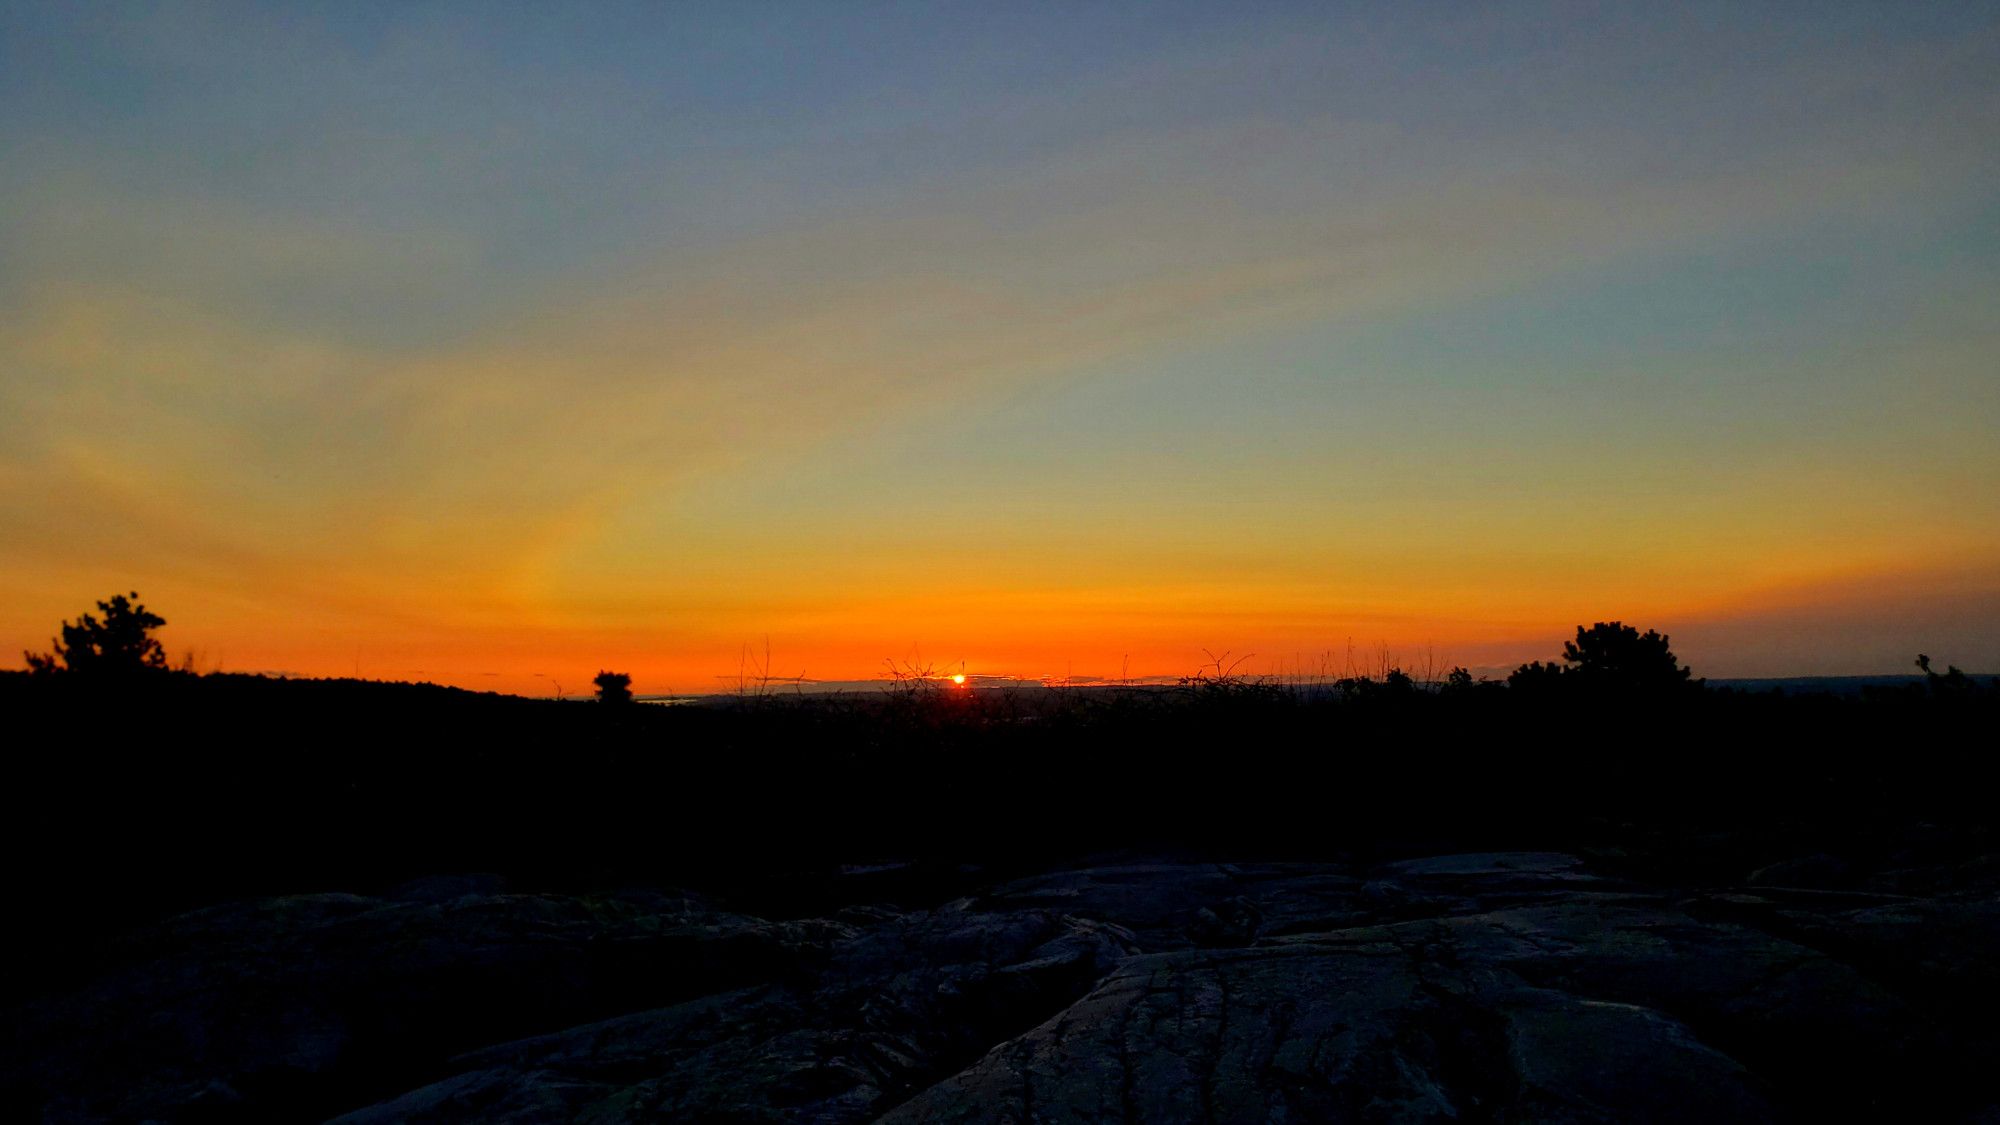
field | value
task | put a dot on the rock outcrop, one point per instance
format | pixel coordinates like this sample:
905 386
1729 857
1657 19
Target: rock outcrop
1507 986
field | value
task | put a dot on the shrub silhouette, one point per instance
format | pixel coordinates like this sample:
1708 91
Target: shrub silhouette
613 687
121 644
1537 677
1953 683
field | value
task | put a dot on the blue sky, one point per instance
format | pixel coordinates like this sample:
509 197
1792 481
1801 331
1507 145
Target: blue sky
500 336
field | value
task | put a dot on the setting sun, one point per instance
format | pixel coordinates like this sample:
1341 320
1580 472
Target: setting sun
504 485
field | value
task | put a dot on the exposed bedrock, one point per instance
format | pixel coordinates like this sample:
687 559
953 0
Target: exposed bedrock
1496 987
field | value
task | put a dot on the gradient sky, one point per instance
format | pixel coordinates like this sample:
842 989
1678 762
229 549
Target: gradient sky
496 344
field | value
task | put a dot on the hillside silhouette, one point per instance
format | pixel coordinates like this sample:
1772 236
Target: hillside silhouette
162 820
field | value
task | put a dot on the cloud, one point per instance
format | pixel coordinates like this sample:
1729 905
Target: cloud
522 436
370 403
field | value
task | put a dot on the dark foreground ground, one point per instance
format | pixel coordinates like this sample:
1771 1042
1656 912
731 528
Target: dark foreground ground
379 904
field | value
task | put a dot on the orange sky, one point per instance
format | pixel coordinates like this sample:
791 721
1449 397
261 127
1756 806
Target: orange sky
460 349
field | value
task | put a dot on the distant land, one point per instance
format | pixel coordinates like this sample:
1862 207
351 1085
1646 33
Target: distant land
1828 685
1844 686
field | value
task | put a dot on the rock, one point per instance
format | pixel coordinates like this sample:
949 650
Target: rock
1373 1026
448 888
1500 986
1229 923
1154 901
297 1003
1495 869
893 1009
1600 1007
1819 871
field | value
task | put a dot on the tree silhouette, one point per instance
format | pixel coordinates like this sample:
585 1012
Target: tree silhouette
1617 655
121 644
1610 656
613 687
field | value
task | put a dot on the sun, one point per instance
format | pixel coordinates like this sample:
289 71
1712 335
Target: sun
958 678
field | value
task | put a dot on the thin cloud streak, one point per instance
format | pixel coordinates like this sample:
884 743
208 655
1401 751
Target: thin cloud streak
386 407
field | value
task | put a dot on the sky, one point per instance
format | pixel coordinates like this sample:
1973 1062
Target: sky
498 344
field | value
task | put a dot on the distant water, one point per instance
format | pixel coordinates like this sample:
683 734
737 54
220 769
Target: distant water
1828 685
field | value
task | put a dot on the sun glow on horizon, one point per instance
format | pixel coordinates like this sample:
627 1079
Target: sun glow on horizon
394 365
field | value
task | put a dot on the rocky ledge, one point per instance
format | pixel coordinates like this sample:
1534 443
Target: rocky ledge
1506 987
